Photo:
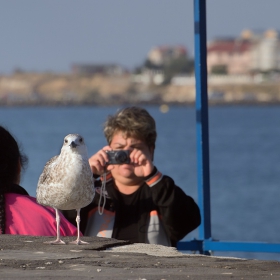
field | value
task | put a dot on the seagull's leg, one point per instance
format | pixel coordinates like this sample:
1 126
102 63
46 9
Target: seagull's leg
58 240
78 241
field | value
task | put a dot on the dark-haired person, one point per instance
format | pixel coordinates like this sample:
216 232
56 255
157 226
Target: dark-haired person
19 212
135 201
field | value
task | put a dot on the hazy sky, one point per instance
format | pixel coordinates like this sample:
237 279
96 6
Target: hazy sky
51 35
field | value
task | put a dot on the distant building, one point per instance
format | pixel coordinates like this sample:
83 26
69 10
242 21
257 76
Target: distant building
157 58
110 69
163 54
246 54
229 55
266 52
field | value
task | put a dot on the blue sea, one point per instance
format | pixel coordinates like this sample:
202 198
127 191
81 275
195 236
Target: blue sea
244 159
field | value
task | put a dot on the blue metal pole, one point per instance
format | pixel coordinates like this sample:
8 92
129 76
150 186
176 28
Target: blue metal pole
234 246
205 242
202 118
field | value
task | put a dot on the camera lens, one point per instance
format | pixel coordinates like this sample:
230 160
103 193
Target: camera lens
121 157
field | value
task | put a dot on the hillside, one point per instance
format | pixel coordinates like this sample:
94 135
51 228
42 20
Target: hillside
69 89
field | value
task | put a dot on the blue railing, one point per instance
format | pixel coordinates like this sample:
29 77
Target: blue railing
205 243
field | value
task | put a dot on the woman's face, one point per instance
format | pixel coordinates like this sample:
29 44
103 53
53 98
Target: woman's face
120 142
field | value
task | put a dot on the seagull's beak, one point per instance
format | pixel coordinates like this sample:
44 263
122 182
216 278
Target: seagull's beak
73 144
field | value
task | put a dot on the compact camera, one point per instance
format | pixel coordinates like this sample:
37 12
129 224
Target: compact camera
118 157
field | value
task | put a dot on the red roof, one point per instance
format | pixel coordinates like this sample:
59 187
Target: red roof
229 46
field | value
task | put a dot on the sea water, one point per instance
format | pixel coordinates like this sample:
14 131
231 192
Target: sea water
244 159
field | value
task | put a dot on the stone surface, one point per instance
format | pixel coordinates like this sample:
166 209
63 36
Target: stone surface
27 257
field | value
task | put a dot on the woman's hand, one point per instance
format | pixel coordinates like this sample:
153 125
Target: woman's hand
143 164
98 161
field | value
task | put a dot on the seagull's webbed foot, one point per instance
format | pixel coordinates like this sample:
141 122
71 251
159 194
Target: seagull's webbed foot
79 242
58 240
55 242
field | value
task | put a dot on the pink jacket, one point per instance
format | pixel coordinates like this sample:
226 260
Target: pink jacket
25 216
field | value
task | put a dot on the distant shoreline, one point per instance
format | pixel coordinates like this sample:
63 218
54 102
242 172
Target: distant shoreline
47 89
210 104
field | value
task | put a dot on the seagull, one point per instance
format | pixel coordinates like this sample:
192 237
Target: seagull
66 182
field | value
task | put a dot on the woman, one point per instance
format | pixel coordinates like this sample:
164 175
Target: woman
19 212
137 202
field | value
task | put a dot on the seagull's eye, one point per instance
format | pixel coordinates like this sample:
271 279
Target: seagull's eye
65 141
81 140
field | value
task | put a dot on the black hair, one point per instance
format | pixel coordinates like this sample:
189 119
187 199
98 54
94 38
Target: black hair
10 156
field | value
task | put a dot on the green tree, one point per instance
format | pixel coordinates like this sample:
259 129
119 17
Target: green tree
177 66
219 69
170 68
148 64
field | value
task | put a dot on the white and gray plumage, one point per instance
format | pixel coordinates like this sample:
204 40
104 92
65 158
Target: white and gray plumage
66 182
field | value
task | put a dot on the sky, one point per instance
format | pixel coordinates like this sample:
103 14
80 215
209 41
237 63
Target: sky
52 35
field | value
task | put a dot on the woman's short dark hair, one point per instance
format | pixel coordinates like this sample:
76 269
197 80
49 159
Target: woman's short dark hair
10 156
133 122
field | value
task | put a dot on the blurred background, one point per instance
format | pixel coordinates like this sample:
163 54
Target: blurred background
65 65
52 35
96 52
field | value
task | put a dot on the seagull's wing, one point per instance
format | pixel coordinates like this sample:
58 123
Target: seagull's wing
47 174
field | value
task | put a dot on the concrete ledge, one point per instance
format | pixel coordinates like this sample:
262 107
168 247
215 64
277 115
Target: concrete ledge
27 257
